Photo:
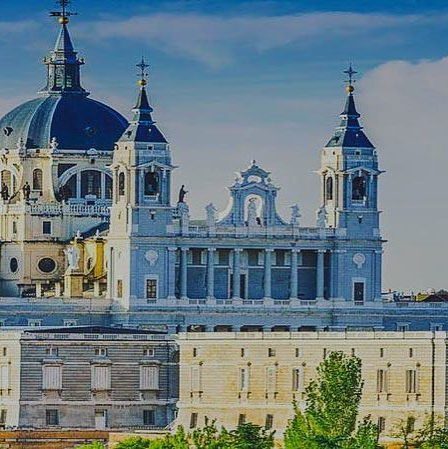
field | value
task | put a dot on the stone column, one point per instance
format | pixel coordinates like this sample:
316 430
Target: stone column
267 272
171 293
236 273
57 289
320 275
184 273
211 273
378 276
96 289
294 275
38 289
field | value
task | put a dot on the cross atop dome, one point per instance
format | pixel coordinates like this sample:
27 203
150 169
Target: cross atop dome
63 63
143 75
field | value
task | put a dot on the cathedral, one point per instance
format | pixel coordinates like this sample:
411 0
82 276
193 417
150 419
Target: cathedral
88 217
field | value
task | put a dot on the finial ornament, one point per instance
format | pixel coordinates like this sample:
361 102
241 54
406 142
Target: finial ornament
143 75
63 15
350 81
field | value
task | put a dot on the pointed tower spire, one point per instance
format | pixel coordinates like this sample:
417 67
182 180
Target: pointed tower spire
143 110
142 127
63 63
349 132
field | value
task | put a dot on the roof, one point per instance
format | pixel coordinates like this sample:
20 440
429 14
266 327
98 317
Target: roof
142 127
349 133
94 330
77 123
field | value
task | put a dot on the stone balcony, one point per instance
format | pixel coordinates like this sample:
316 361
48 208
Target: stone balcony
57 209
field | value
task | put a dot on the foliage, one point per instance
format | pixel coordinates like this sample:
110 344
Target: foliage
248 436
95 445
330 417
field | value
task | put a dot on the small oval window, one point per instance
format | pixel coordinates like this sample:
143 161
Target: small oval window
7 130
14 265
46 265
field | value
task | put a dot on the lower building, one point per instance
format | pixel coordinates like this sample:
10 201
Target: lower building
87 377
256 377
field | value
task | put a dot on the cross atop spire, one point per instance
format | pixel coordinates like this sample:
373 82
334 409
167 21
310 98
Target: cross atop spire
350 81
143 75
64 14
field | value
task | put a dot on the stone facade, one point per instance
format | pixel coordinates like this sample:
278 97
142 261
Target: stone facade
90 377
261 374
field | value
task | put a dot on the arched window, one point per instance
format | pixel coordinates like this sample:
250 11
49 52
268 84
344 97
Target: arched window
121 184
359 188
108 187
151 183
37 179
91 183
68 190
329 188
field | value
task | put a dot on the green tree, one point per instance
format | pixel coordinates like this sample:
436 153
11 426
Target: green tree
247 436
332 405
135 443
95 445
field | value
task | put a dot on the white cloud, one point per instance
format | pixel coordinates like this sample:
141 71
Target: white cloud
406 112
214 39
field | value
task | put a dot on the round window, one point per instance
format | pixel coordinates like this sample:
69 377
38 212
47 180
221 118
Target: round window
47 265
13 265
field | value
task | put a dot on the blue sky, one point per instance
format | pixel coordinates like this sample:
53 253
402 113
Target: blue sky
233 81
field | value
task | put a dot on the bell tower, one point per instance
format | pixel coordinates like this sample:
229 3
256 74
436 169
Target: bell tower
141 206
349 174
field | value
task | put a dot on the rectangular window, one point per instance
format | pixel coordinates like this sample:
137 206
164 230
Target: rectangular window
223 256
241 419
34 323
411 381
244 379
196 256
149 377
52 417
410 424
100 377
52 351
5 352
381 424
402 327
149 352
243 352
381 381
269 422
297 352
151 288
193 420
195 379
4 377
119 288
381 352
252 257
358 292
271 379
52 377
149 417
14 227
296 378
271 352
3 415
101 352
70 323
280 258
46 228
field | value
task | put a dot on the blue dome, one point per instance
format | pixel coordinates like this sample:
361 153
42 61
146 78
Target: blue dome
77 123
